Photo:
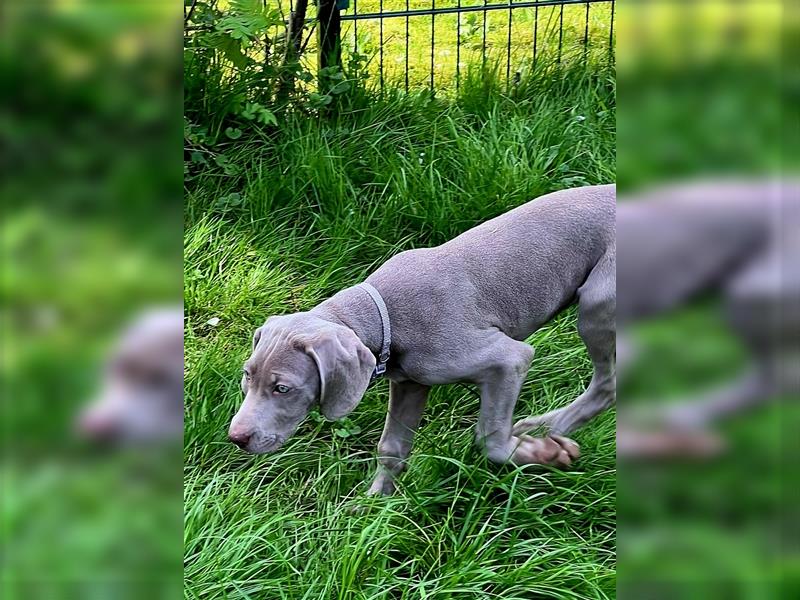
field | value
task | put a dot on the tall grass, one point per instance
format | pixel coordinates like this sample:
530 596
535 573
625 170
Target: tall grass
313 205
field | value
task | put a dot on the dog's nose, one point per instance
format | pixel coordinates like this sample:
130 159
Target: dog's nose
97 426
240 438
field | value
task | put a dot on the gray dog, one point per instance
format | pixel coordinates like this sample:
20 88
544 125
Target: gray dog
734 239
459 312
141 400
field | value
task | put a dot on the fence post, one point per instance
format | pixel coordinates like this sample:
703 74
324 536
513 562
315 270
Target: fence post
330 34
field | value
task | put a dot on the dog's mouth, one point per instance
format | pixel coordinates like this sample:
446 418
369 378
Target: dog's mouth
265 444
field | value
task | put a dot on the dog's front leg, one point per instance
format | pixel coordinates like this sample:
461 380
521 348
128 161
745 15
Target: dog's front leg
406 404
500 388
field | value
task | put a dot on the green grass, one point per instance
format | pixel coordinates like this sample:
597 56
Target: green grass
481 35
544 22
707 529
305 211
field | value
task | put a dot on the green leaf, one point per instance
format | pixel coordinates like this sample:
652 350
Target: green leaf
233 133
267 117
231 48
320 99
334 72
225 164
256 112
340 88
229 200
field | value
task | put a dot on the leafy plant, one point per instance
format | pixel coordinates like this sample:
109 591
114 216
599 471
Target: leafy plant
261 114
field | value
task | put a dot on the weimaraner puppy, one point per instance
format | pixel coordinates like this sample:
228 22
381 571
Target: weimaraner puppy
459 312
735 239
141 398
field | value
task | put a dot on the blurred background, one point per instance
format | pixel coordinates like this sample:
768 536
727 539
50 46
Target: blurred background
708 162
91 226
90 235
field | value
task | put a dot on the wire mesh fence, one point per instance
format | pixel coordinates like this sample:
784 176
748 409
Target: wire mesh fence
431 43
273 48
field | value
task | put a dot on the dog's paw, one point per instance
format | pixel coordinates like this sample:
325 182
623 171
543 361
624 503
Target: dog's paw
382 485
553 450
539 423
668 444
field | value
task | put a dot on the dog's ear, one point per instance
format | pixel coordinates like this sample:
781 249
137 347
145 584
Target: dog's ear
345 367
257 336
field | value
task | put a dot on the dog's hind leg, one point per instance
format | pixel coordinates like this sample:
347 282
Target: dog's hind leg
762 309
761 306
596 326
505 363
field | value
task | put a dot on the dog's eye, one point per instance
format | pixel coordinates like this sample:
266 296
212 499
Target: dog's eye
281 389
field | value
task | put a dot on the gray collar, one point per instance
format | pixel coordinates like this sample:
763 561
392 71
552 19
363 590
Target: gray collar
383 357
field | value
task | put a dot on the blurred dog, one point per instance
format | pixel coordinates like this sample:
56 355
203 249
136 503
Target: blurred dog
141 400
739 239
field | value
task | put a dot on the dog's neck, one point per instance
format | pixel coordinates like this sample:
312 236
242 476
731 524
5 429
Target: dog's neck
353 308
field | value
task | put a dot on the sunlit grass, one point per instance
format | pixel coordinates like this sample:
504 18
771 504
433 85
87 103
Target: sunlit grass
479 41
422 44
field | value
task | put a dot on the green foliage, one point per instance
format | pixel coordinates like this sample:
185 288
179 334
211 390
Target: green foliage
238 77
255 112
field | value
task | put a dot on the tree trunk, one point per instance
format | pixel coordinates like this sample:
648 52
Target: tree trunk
291 57
330 42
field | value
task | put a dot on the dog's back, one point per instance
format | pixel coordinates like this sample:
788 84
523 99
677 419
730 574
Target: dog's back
513 272
682 241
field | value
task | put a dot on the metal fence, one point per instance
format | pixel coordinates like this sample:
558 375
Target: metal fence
342 26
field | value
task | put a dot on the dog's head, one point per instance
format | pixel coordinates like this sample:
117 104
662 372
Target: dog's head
141 397
298 361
